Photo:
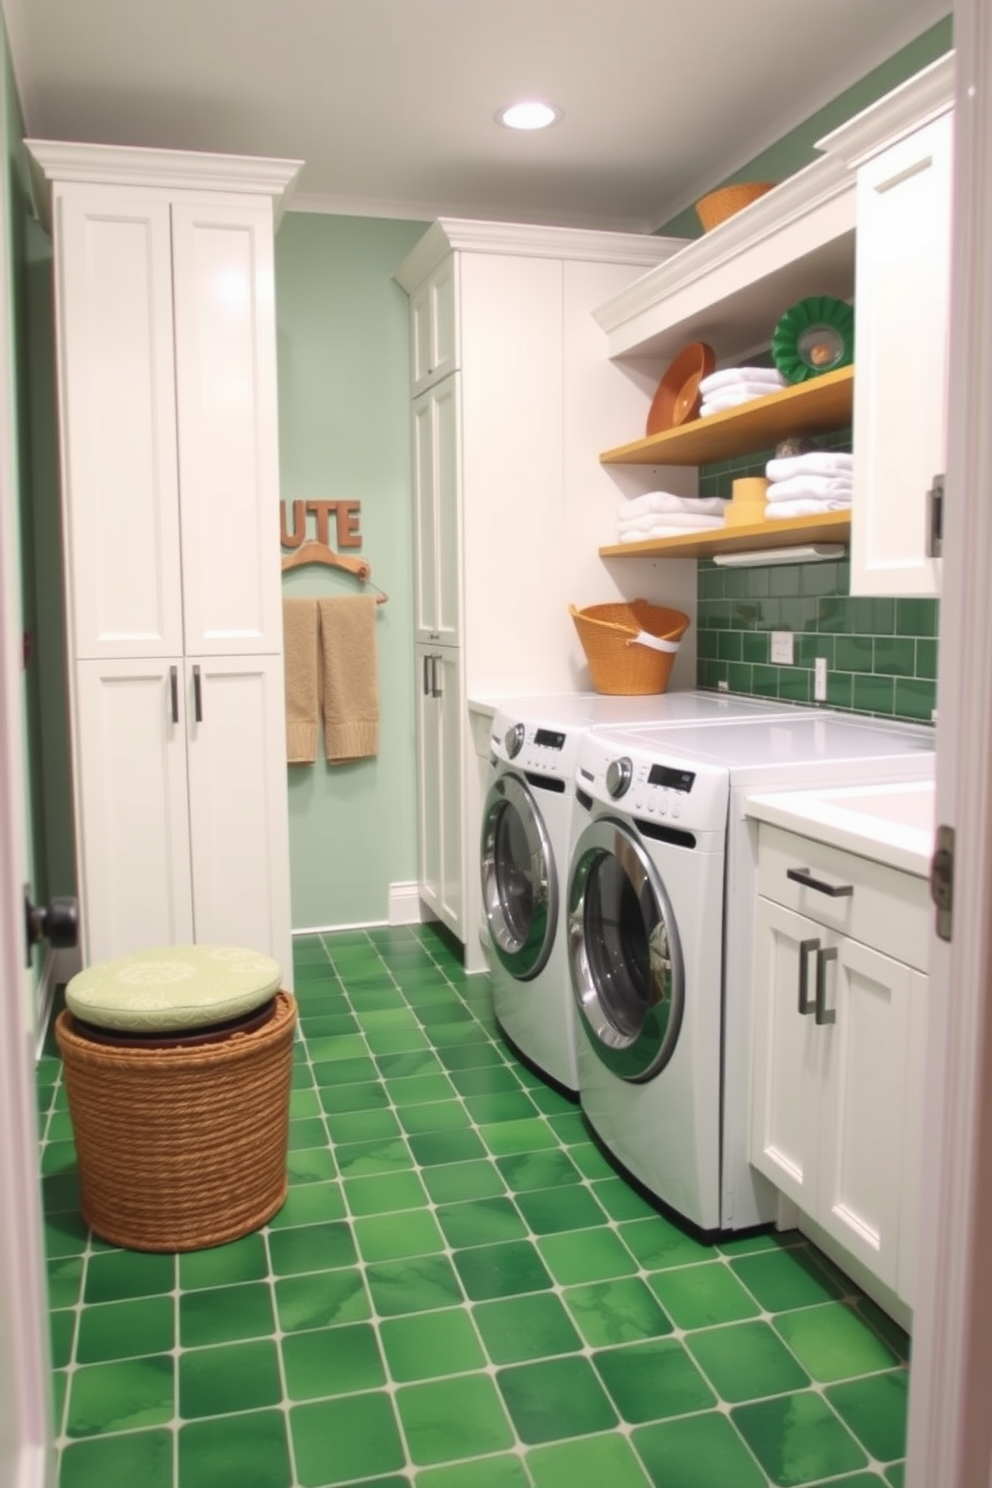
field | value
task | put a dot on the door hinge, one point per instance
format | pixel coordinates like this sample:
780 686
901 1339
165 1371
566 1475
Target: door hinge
935 517
942 880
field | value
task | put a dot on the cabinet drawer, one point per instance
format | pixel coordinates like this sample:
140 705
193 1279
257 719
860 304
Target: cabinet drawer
888 909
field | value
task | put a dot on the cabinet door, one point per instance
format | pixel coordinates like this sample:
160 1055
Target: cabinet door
788 1053
434 325
118 422
238 809
864 1107
227 416
901 337
132 821
437 518
440 794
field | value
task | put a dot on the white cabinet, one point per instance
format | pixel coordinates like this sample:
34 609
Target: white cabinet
839 1019
512 400
903 276
167 393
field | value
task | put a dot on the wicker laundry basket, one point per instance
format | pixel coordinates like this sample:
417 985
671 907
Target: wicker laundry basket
617 640
184 1146
728 201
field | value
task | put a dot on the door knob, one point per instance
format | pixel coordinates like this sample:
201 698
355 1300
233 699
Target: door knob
57 922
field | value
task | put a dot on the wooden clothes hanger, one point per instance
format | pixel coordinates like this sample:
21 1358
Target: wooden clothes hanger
318 552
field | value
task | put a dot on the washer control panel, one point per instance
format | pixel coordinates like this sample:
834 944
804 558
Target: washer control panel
535 748
650 786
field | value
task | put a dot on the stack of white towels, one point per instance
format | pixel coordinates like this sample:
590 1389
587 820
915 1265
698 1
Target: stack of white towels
806 485
661 514
736 385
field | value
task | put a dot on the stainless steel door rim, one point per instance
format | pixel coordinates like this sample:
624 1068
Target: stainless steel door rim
519 878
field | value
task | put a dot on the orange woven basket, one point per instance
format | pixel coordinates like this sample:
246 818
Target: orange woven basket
719 205
620 662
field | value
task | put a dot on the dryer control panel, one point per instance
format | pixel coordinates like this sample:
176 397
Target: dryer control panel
644 784
535 748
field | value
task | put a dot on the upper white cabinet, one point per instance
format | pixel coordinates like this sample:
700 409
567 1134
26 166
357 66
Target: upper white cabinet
437 514
434 326
165 317
903 278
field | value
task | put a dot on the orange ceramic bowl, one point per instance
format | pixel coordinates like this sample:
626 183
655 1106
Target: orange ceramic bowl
677 399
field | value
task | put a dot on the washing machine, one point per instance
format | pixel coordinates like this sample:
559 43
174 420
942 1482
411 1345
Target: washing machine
659 913
526 842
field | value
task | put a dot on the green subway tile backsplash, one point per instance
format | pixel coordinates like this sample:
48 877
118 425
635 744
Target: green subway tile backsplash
881 653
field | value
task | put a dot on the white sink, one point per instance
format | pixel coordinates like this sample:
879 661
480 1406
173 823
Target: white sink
891 823
909 806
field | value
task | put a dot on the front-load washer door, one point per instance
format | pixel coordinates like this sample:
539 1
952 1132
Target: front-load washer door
519 881
624 953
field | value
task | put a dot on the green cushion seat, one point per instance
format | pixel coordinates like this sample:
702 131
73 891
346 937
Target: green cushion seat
173 988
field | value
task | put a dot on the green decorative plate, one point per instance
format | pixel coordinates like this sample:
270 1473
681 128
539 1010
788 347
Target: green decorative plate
814 337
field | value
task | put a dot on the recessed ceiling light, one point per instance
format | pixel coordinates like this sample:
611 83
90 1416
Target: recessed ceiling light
530 115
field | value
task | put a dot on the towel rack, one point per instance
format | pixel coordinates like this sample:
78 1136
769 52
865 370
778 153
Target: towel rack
318 552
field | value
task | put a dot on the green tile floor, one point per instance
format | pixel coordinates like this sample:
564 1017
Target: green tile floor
460 1292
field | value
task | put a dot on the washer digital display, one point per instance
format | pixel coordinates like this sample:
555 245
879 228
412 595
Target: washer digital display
548 739
680 780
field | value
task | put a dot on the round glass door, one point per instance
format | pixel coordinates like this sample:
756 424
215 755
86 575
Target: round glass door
519 883
624 953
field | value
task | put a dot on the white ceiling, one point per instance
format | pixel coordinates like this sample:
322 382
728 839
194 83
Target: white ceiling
390 103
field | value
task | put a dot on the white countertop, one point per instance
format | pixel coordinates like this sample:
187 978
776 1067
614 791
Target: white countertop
891 824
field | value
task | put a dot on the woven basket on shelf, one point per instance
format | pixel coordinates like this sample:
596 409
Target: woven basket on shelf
619 663
719 205
181 1147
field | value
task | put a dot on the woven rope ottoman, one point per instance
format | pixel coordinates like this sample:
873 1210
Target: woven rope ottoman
178 1066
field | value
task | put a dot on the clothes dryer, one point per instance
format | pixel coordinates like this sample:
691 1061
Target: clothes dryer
526 842
660 906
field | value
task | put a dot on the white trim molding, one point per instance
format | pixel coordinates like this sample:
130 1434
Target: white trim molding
405 906
908 107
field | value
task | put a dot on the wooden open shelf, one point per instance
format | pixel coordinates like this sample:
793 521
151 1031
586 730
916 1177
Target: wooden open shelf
815 407
790 532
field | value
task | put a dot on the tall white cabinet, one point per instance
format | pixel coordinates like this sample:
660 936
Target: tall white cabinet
512 400
168 420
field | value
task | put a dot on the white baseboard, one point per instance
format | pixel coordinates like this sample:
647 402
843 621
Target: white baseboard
405 907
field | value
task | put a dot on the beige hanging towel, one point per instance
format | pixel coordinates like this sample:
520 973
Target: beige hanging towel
300 637
350 675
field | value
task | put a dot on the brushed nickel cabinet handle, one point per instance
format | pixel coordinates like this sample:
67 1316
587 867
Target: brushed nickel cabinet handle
823 1013
804 877
806 1003
197 695
174 691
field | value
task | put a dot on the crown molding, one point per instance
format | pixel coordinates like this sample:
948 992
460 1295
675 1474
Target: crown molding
914 103
468 235
56 162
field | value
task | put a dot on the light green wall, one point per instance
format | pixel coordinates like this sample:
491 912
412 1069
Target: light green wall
798 149
344 434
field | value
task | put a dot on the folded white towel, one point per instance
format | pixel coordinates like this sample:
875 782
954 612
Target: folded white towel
816 462
671 519
668 527
811 487
732 377
804 508
664 501
728 398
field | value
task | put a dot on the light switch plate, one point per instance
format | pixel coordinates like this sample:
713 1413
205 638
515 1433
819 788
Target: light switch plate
782 641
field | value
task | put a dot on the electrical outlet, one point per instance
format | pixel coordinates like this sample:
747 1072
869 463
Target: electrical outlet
820 679
722 686
782 647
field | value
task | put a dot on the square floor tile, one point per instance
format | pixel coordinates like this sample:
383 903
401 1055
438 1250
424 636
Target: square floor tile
389 1237
235 1377
61 1332
699 1296
337 1100
318 1301
363 1159
332 1361
658 1243
119 1274
430 1345
65 1279
798 1439
310 1132
418 1285
532 1327
420 1090
550 1211
438 1147
557 1399
337 1441
225 1315
507 1270
315 1247
485 1472
784 1279
500 1105
311 1165
224 1265
621 1311
481 1222
121 1396
746 1361
454 1182
408 1063
493 1079
125 1330
697 1452
621 1201
462 1417
251 1453
506 1138
653 1380
385 1193
875 1410
833 1343
308 1203
526 1171
435 1116
586 1255
478 1054
362 1126
143 1457
609 1460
